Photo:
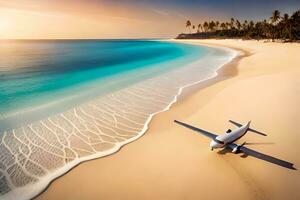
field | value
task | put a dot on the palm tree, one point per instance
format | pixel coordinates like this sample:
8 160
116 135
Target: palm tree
223 26
266 30
231 23
211 26
258 30
286 28
295 23
296 16
238 24
251 28
199 28
217 25
205 26
251 24
245 25
188 25
193 27
275 17
227 25
285 18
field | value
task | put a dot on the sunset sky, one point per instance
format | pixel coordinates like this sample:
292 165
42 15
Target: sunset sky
36 19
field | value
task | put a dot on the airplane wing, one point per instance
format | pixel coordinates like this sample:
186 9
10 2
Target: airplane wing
203 132
249 129
262 156
235 123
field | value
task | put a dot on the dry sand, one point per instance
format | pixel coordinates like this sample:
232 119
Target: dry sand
172 162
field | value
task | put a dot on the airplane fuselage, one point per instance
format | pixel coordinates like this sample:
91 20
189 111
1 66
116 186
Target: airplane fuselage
227 138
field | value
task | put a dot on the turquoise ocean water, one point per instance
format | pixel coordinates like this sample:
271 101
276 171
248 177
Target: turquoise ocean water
52 75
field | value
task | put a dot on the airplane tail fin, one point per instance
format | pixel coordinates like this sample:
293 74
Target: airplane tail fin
249 129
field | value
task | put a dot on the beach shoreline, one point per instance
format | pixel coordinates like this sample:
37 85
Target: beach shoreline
166 155
226 71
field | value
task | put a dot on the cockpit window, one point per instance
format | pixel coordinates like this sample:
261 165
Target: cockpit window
218 141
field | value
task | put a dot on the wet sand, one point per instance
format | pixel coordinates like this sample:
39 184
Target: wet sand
171 162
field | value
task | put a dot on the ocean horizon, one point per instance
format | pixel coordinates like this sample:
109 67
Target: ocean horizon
66 101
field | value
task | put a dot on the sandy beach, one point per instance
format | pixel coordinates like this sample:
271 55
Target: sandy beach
171 162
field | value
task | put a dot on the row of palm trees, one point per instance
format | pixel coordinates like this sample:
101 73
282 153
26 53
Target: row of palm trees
283 27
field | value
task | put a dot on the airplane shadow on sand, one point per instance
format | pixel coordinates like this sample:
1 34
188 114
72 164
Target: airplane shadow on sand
260 156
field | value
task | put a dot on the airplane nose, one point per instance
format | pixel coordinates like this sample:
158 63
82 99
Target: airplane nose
213 145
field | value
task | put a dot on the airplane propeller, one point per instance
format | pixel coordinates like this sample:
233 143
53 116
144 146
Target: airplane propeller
237 148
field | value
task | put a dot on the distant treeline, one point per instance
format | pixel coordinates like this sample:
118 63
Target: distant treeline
286 28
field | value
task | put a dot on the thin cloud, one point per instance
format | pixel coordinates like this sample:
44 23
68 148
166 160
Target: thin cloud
160 12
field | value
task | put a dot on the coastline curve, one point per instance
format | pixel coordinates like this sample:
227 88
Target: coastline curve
41 185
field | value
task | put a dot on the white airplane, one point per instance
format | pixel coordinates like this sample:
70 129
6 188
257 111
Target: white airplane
227 141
